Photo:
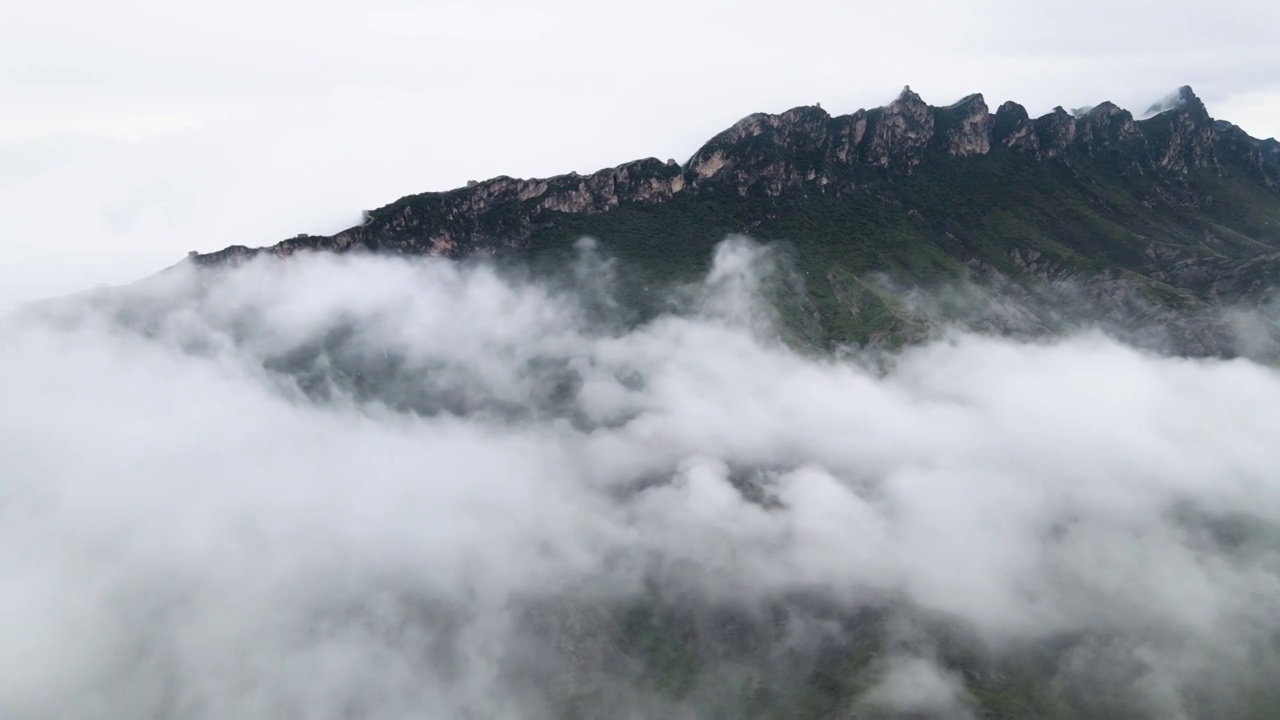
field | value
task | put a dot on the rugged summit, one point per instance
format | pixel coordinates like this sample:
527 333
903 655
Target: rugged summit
1185 208
805 150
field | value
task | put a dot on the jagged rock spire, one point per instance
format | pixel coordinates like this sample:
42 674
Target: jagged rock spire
1012 127
1181 134
1185 100
1191 103
908 96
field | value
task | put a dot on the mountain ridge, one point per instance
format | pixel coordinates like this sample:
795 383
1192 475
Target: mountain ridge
807 146
1170 221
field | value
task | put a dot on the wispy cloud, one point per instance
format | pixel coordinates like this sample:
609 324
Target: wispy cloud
340 487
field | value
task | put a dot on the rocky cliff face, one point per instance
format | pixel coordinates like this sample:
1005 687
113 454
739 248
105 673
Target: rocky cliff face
1183 137
898 134
805 150
965 128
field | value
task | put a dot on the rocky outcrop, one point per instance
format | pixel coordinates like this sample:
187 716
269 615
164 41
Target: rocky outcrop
847 133
1056 133
1270 149
1108 129
1181 138
767 154
804 151
1013 128
1260 157
964 129
898 133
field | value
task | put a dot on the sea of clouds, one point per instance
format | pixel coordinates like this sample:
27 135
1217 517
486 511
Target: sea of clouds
364 487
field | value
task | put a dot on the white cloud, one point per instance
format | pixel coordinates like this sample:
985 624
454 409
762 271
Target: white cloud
185 529
916 686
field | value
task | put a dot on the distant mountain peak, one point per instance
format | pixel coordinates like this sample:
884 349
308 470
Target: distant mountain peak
1106 107
972 99
805 151
1182 99
908 97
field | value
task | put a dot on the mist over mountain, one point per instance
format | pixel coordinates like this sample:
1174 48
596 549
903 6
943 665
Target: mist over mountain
915 413
338 487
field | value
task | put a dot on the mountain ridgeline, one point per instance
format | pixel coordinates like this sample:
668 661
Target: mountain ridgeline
1162 222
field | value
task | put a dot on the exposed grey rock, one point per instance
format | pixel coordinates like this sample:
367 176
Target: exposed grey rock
1107 128
1012 127
965 127
898 134
1182 137
1056 133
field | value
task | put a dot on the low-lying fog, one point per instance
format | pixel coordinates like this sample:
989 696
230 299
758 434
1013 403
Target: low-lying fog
374 488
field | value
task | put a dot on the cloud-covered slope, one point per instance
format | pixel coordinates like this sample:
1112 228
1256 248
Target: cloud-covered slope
367 487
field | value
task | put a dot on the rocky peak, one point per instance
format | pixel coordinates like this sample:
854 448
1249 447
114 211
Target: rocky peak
909 97
766 153
1191 104
1106 128
1012 128
898 133
1181 134
1184 99
1055 132
964 128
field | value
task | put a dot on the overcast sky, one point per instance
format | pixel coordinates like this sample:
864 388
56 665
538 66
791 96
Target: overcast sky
134 131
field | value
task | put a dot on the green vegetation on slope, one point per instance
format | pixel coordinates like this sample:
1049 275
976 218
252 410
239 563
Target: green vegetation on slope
998 217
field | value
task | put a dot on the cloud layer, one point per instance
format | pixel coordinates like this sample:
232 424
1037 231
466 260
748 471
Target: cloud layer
358 487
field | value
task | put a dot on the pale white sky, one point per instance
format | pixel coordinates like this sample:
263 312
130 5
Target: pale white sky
133 131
